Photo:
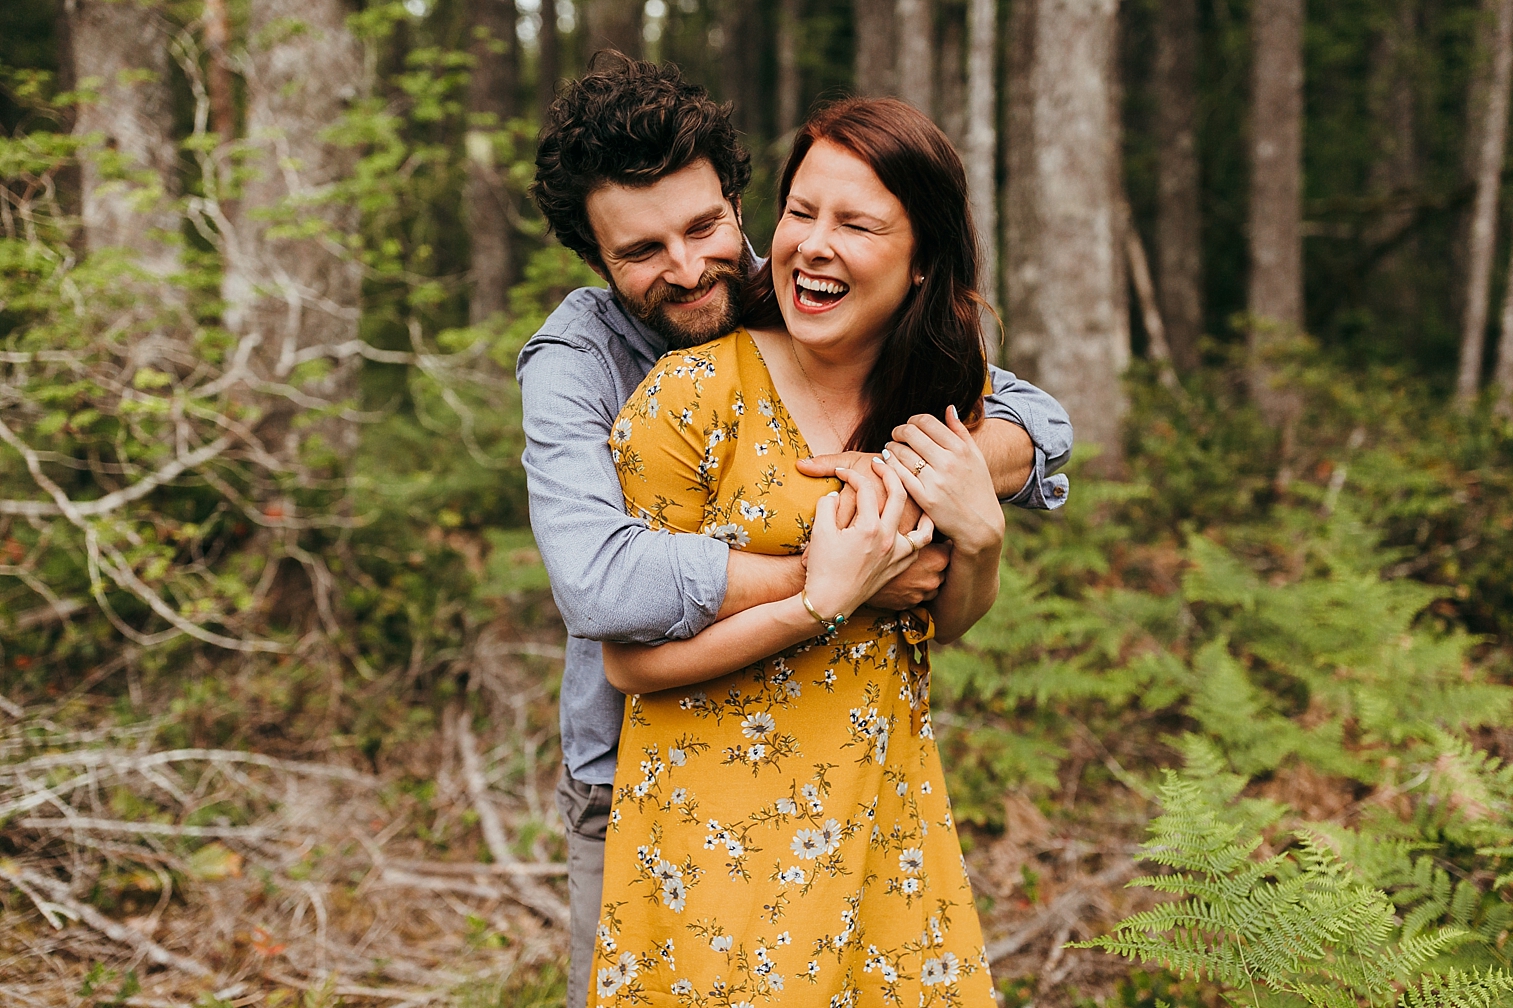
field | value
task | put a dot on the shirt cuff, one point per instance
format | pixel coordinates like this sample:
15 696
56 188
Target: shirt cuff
1041 492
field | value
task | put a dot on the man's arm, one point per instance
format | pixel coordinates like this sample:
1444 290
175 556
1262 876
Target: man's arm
1050 432
613 578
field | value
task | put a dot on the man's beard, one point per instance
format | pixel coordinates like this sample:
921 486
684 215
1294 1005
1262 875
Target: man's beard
715 319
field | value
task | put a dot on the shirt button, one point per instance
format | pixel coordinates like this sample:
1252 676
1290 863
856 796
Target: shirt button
1058 491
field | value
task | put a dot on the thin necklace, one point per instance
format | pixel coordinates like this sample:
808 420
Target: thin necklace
824 406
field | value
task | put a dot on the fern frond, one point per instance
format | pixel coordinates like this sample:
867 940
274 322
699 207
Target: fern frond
1461 989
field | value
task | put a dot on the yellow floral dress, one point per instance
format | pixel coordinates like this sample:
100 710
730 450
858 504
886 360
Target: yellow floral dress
780 836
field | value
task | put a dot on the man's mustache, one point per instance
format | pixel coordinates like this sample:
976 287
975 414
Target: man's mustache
664 292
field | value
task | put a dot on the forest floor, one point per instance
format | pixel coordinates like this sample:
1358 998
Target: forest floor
295 869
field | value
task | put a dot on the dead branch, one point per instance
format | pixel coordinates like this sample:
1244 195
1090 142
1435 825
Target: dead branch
1063 910
58 893
531 893
82 824
459 868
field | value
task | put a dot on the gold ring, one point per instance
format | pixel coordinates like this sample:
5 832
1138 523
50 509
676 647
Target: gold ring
916 546
919 468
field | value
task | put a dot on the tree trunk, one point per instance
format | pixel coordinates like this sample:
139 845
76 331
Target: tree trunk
124 47
915 24
875 72
1502 371
295 293
981 143
738 63
218 39
1179 221
951 79
491 98
1493 134
1276 195
1083 301
790 84
548 59
611 24
1025 325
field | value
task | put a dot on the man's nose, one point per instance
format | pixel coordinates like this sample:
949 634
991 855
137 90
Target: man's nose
685 267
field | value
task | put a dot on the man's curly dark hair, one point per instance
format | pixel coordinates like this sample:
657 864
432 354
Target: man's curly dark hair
628 122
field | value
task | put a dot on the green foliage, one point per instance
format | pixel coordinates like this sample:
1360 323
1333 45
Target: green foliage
1296 927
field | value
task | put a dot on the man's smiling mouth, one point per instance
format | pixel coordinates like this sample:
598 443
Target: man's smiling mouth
816 292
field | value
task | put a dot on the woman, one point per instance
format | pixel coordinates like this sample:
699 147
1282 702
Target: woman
780 833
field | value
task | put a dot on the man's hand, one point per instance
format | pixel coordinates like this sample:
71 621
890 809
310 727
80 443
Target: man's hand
824 466
917 585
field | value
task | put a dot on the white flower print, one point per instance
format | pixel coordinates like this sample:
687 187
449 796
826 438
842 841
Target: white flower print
811 794
807 844
731 534
665 872
911 861
677 757
679 795
910 886
609 981
932 973
814 968
794 875
674 895
606 939
784 939
787 806
756 752
830 835
722 943
924 787
903 788
680 987
758 725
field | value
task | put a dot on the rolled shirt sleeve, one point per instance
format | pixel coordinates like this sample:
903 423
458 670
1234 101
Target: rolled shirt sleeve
613 578
1049 428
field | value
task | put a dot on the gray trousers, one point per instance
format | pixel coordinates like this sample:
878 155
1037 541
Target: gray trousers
585 813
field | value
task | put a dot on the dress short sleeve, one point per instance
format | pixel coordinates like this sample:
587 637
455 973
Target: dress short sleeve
673 436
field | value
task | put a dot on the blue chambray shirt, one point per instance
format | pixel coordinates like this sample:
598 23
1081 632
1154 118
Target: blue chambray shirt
614 578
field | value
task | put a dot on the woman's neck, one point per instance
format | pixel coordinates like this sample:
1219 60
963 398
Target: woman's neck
823 390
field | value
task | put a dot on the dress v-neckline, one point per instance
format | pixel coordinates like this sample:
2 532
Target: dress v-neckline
777 397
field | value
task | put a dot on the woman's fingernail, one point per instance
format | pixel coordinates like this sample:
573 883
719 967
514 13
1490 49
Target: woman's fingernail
951 410
887 454
833 493
878 461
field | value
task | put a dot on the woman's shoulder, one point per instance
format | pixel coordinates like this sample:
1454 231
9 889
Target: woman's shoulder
691 380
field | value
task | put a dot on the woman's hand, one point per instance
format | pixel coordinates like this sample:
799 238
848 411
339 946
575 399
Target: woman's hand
847 566
945 473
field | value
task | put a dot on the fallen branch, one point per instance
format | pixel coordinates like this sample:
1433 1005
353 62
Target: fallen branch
1063 910
547 868
86 825
57 892
528 892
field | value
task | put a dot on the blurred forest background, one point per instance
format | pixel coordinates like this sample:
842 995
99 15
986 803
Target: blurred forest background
277 690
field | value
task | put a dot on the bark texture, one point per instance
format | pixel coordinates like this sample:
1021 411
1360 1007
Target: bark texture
915 24
491 98
739 64
292 293
1179 220
980 148
951 79
1023 321
1073 242
1482 239
113 45
875 70
1276 194
790 86
548 58
611 24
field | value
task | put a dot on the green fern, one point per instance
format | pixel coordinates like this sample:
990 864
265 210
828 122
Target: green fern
1299 927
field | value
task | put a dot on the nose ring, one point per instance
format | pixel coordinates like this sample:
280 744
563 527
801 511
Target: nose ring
801 248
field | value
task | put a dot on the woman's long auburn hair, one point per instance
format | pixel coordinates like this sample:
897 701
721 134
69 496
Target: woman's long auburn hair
932 357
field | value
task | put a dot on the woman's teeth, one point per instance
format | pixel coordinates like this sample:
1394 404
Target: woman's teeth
815 293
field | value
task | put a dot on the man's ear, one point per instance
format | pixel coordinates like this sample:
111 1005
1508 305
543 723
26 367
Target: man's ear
597 266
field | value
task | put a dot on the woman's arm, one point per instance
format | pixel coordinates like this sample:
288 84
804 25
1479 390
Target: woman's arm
956 491
846 566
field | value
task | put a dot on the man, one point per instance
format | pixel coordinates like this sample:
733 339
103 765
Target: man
641 175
